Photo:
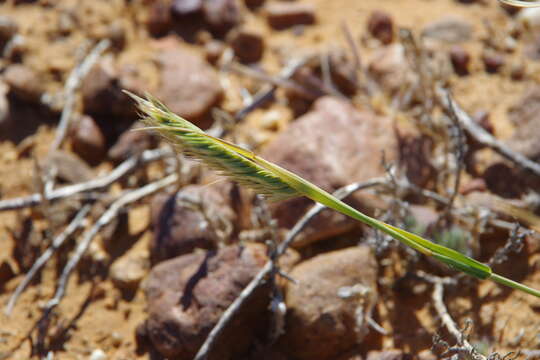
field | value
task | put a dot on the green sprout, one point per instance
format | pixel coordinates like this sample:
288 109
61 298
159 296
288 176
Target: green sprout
278 183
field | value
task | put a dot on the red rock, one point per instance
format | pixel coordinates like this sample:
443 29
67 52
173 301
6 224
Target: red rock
333 145
381 26
159 20
222 15
460 59
189 86
248 45
282 15
132 142
320 323
188 294
493 61
22 83
179 228
88 141
213 50
343 71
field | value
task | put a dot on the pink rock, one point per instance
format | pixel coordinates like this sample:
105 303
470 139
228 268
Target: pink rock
333 145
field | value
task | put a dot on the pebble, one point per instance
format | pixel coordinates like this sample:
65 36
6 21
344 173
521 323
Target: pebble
8 29
88 141
159 19
248 45
98 354
22 83
381 26
283 15
460 59
493 61
182 8
222 15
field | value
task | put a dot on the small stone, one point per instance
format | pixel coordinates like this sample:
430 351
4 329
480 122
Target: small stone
389 355
343 71
389 67
518 70
98 354
460 59
381 26
213 50
116 339
22 83
132 142
188 294
222 15
180 8
451 29
69 167
180 226
529 18
189 86
6 272
474 185
248 45
8 29
102 94
525 115
253 4
117 34
128 271
493 61
504 180
320 324
88 141
159 20
283 15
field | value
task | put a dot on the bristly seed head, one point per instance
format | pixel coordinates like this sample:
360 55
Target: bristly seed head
215 153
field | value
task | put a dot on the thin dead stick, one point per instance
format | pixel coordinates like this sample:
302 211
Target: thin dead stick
269 89
107 217
116 174
72 85
57 242
483 137
440 307
270 266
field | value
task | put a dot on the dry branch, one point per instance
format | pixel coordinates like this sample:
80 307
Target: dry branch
57 242
116 174
482 136
107 217
72 85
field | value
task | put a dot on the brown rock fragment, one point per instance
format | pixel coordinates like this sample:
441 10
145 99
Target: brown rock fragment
248 45
188 294
327 308
283 15
381 26
189 86
88 141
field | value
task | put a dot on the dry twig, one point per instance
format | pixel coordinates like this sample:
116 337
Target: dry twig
482 136
104 219
72 85
116 174
57 242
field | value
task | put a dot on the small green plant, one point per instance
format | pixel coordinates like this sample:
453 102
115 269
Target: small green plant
278 183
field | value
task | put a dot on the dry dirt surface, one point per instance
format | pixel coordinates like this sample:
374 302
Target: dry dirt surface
338 91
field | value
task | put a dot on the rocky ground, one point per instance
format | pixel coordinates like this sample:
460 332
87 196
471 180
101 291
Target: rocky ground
145 250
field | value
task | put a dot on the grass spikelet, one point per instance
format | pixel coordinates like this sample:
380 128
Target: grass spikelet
278 183
225 158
